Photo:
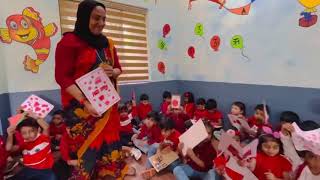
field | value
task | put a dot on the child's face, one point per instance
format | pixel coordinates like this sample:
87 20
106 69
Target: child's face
148 122
166 133
123 114
145 102
129 106
313 162
271 148
168 100
57 119
200 107
235 110
186 99
258 114
29 134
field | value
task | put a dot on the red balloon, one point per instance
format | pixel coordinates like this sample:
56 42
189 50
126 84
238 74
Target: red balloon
215 43
166 30
191 51
161 67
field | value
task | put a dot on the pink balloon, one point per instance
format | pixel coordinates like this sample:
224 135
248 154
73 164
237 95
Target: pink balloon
166 30
191 51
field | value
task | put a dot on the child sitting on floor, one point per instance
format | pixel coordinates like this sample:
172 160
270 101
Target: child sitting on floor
144 107
150 132
57 128
201 112
213 114
179 117
188 104
169 143
198 160
166 102
3 157
36 148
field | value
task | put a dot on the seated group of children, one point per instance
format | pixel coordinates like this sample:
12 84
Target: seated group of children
151 132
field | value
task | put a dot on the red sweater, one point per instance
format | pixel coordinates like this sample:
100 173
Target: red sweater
164 107
70 145
179 120
214 116
189 108
277 165
125 122
153 134
3 157
37 154
57 130
143 110
74 58
200 114
206 153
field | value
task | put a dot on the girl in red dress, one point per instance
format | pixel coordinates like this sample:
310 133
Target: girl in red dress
188 104
78 53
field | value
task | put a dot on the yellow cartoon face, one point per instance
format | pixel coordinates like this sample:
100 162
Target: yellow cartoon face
21 29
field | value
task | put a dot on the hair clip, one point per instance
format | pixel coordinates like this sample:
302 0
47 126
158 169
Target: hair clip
268 130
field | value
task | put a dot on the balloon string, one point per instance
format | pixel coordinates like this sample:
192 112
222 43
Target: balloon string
242 53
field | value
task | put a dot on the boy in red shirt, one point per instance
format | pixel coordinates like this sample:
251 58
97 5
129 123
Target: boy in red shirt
150 132
144 107
36 148
179 118
201 112
169 143
258 120
57 128
213 114
166 102
198 160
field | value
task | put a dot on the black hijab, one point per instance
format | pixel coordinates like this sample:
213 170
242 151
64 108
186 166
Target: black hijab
82 25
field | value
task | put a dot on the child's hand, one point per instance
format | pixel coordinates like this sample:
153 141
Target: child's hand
32 115
190 152
134 137
73 163
270 176
180 146
11 130
220 170
287 129
19 110
58 137
241 163
134 103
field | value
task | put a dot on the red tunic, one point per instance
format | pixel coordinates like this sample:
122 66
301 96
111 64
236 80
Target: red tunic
200 114
3 157
143 110
189 108
164 107
70 145
74 58
54 130
214 116
153 134
276 165
206 153
252 121
37 154
179 120
173 139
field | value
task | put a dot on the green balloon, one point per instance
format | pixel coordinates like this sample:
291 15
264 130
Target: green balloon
162 44
198 29
237 42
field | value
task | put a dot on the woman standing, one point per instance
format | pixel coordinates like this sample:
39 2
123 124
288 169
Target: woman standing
78 53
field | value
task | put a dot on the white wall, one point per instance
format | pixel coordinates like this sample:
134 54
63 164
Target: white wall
281 52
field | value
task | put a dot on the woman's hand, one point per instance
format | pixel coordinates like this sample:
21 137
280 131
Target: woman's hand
107 69
89 109
73 163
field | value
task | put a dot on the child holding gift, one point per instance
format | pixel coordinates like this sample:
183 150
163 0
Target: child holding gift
144 107
166 102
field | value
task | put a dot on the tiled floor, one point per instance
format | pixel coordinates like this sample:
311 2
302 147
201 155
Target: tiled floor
140 166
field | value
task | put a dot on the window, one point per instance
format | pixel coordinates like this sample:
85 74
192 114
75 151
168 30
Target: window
126 26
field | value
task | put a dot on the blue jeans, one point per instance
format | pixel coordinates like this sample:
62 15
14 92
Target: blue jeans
35 174
184 172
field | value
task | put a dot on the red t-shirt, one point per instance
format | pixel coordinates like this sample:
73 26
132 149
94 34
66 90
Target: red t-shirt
125 121
206 153
153 134
3 157
37 154
214 116
179 120
172 140
57 130
70 145
164 107
143 110
189 108
200 114
277 165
